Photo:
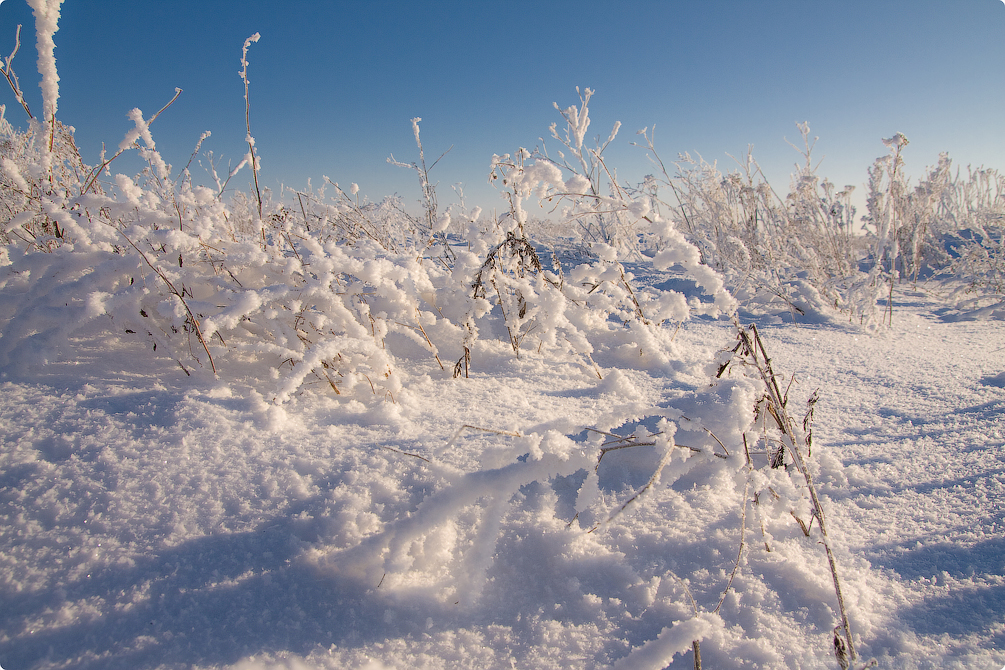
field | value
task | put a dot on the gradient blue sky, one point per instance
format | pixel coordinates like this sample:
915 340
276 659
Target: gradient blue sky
334 84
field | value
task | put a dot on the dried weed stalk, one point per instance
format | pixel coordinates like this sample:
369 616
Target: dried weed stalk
752 353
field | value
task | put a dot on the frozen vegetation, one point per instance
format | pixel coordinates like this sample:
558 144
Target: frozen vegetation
655 422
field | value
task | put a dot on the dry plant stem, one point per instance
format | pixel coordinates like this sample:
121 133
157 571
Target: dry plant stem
624 442
11 77
462 364
460 430
635 301
331 382
247 118
695 644
743 534
508 433
101 168
763 364
177 294
760 520
428 189
808 421
596 369
712 435
890 214
664 459
404 453
650 137
423 331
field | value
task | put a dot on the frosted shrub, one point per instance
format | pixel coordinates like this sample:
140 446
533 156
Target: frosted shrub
27 192
244 290
433 226
981 265
161 260
803 254
926 213
821 218
948 226
39 166
970 239
589 302
278 295
593 200
965 239
346 218
793 255
906 223
886 204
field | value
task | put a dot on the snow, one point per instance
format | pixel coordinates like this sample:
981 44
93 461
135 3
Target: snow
154 520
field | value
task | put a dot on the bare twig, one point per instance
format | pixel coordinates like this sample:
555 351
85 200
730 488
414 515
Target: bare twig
8 72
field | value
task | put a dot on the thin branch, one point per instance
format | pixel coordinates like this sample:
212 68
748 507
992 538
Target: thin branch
11 77
98 170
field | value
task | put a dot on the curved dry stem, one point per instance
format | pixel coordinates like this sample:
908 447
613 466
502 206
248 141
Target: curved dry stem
101 168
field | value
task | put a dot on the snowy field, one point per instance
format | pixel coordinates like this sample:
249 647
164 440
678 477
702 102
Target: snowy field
303 429
149 520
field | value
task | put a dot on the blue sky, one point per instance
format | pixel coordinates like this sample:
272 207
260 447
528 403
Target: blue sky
335 84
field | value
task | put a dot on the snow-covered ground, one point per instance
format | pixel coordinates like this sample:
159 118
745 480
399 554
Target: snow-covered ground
151 520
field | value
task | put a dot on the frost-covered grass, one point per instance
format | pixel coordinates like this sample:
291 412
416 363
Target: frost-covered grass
256 429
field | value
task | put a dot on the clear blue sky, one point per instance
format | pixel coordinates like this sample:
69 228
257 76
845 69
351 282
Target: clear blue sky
334 84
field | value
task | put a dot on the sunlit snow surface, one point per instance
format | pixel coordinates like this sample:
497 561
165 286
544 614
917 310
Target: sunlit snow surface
150 520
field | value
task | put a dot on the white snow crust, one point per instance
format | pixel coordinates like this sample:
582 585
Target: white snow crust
152 520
